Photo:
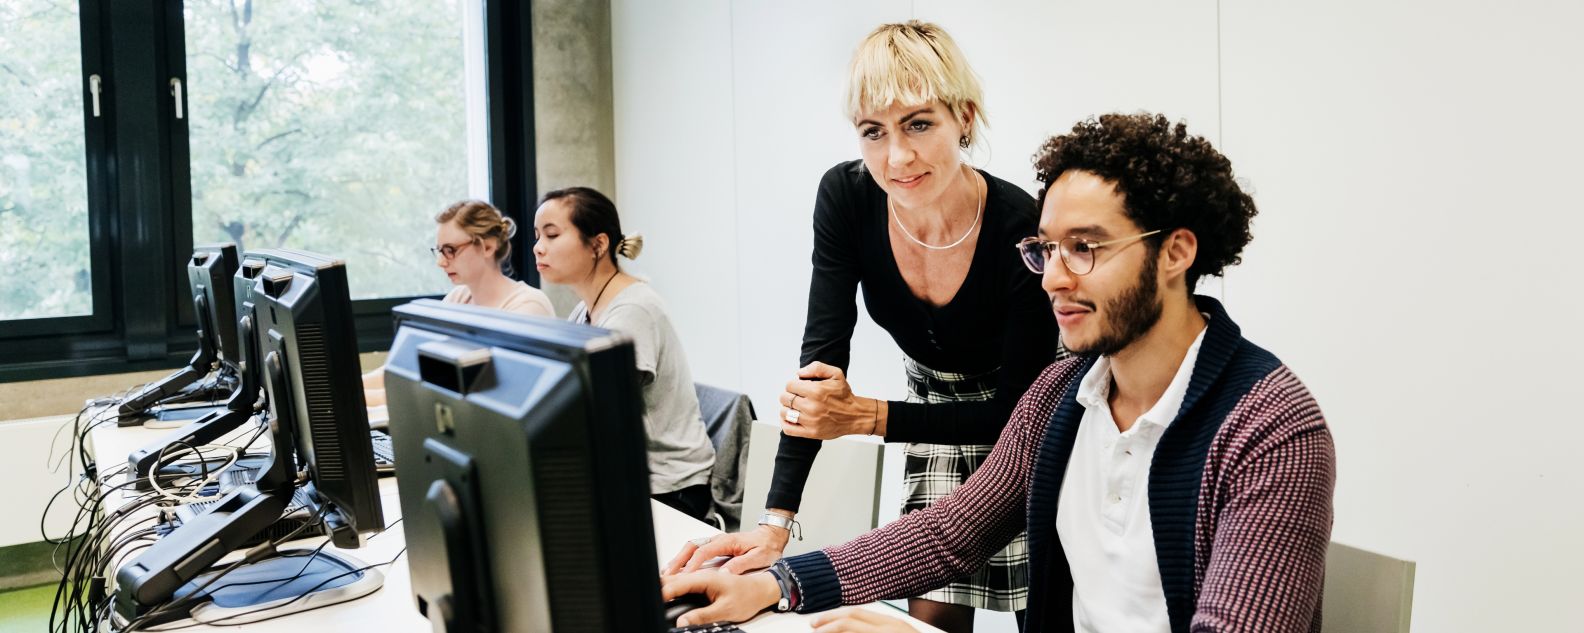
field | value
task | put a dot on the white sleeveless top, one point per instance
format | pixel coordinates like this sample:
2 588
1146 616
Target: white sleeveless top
524 299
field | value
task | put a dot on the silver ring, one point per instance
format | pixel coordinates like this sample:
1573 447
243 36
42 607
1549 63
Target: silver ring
792 404
702 541
792 416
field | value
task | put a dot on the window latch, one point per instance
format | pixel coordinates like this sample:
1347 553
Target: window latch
176 91
94 89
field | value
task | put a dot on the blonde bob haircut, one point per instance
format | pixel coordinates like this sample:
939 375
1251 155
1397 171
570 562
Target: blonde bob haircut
914 63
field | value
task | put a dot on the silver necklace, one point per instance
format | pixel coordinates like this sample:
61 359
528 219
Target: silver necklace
977 215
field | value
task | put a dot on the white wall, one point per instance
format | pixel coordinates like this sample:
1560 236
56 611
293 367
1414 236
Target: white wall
33 477
1411 258
1414 261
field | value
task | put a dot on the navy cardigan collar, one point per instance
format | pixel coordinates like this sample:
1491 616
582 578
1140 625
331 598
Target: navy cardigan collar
1175 474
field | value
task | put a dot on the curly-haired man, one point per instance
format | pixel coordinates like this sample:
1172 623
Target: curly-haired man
1172 477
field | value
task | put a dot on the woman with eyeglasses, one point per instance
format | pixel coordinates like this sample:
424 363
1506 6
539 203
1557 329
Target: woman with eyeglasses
926 238
577 236
472 239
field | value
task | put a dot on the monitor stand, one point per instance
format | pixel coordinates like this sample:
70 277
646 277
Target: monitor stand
185 384
175 417
293 581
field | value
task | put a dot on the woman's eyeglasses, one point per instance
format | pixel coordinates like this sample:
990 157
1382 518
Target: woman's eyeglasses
449 251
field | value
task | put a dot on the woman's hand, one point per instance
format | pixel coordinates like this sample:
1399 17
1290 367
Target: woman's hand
732 598
752 550
852 620
821 405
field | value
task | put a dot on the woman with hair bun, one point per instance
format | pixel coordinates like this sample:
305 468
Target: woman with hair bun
577 236
473 240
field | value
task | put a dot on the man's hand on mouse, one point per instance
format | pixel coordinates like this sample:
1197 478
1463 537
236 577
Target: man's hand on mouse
733 598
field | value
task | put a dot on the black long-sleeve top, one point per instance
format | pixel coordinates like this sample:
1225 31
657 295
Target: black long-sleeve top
999 318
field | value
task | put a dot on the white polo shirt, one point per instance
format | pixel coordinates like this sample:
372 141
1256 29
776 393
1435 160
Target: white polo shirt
1103 516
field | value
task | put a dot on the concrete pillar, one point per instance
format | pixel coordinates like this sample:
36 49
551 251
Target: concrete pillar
574 123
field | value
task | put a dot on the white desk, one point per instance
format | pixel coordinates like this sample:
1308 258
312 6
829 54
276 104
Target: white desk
391 607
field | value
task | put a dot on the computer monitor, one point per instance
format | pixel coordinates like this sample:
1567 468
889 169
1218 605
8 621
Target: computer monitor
309 359
309 365
242 287
238 342
209 275
523 477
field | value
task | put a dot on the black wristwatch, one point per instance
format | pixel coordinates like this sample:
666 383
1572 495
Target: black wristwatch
783 577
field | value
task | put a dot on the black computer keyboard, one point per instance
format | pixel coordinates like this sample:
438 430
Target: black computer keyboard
708 628
384 453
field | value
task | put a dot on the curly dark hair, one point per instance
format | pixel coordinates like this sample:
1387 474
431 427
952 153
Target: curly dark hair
1168 180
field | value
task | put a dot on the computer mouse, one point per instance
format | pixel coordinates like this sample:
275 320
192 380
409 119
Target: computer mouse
675 607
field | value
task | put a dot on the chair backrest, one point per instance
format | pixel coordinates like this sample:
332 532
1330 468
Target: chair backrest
728 420
842 498
1366 592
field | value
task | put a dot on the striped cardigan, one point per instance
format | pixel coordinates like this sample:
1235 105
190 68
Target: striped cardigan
1239 493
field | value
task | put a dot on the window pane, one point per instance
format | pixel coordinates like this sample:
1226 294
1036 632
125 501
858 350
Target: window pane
43 164
337 126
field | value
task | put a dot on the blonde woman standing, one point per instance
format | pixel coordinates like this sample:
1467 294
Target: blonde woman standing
927 239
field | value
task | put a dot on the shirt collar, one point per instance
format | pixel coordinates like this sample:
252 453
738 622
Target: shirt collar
1095 388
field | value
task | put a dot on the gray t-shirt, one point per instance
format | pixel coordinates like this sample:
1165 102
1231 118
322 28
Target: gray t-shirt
680 453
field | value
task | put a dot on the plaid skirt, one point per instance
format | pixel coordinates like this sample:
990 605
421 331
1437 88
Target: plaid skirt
932 471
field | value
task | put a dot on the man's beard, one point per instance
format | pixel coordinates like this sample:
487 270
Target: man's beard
1128 316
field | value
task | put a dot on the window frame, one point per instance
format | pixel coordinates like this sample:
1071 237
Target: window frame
137 326
100 317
